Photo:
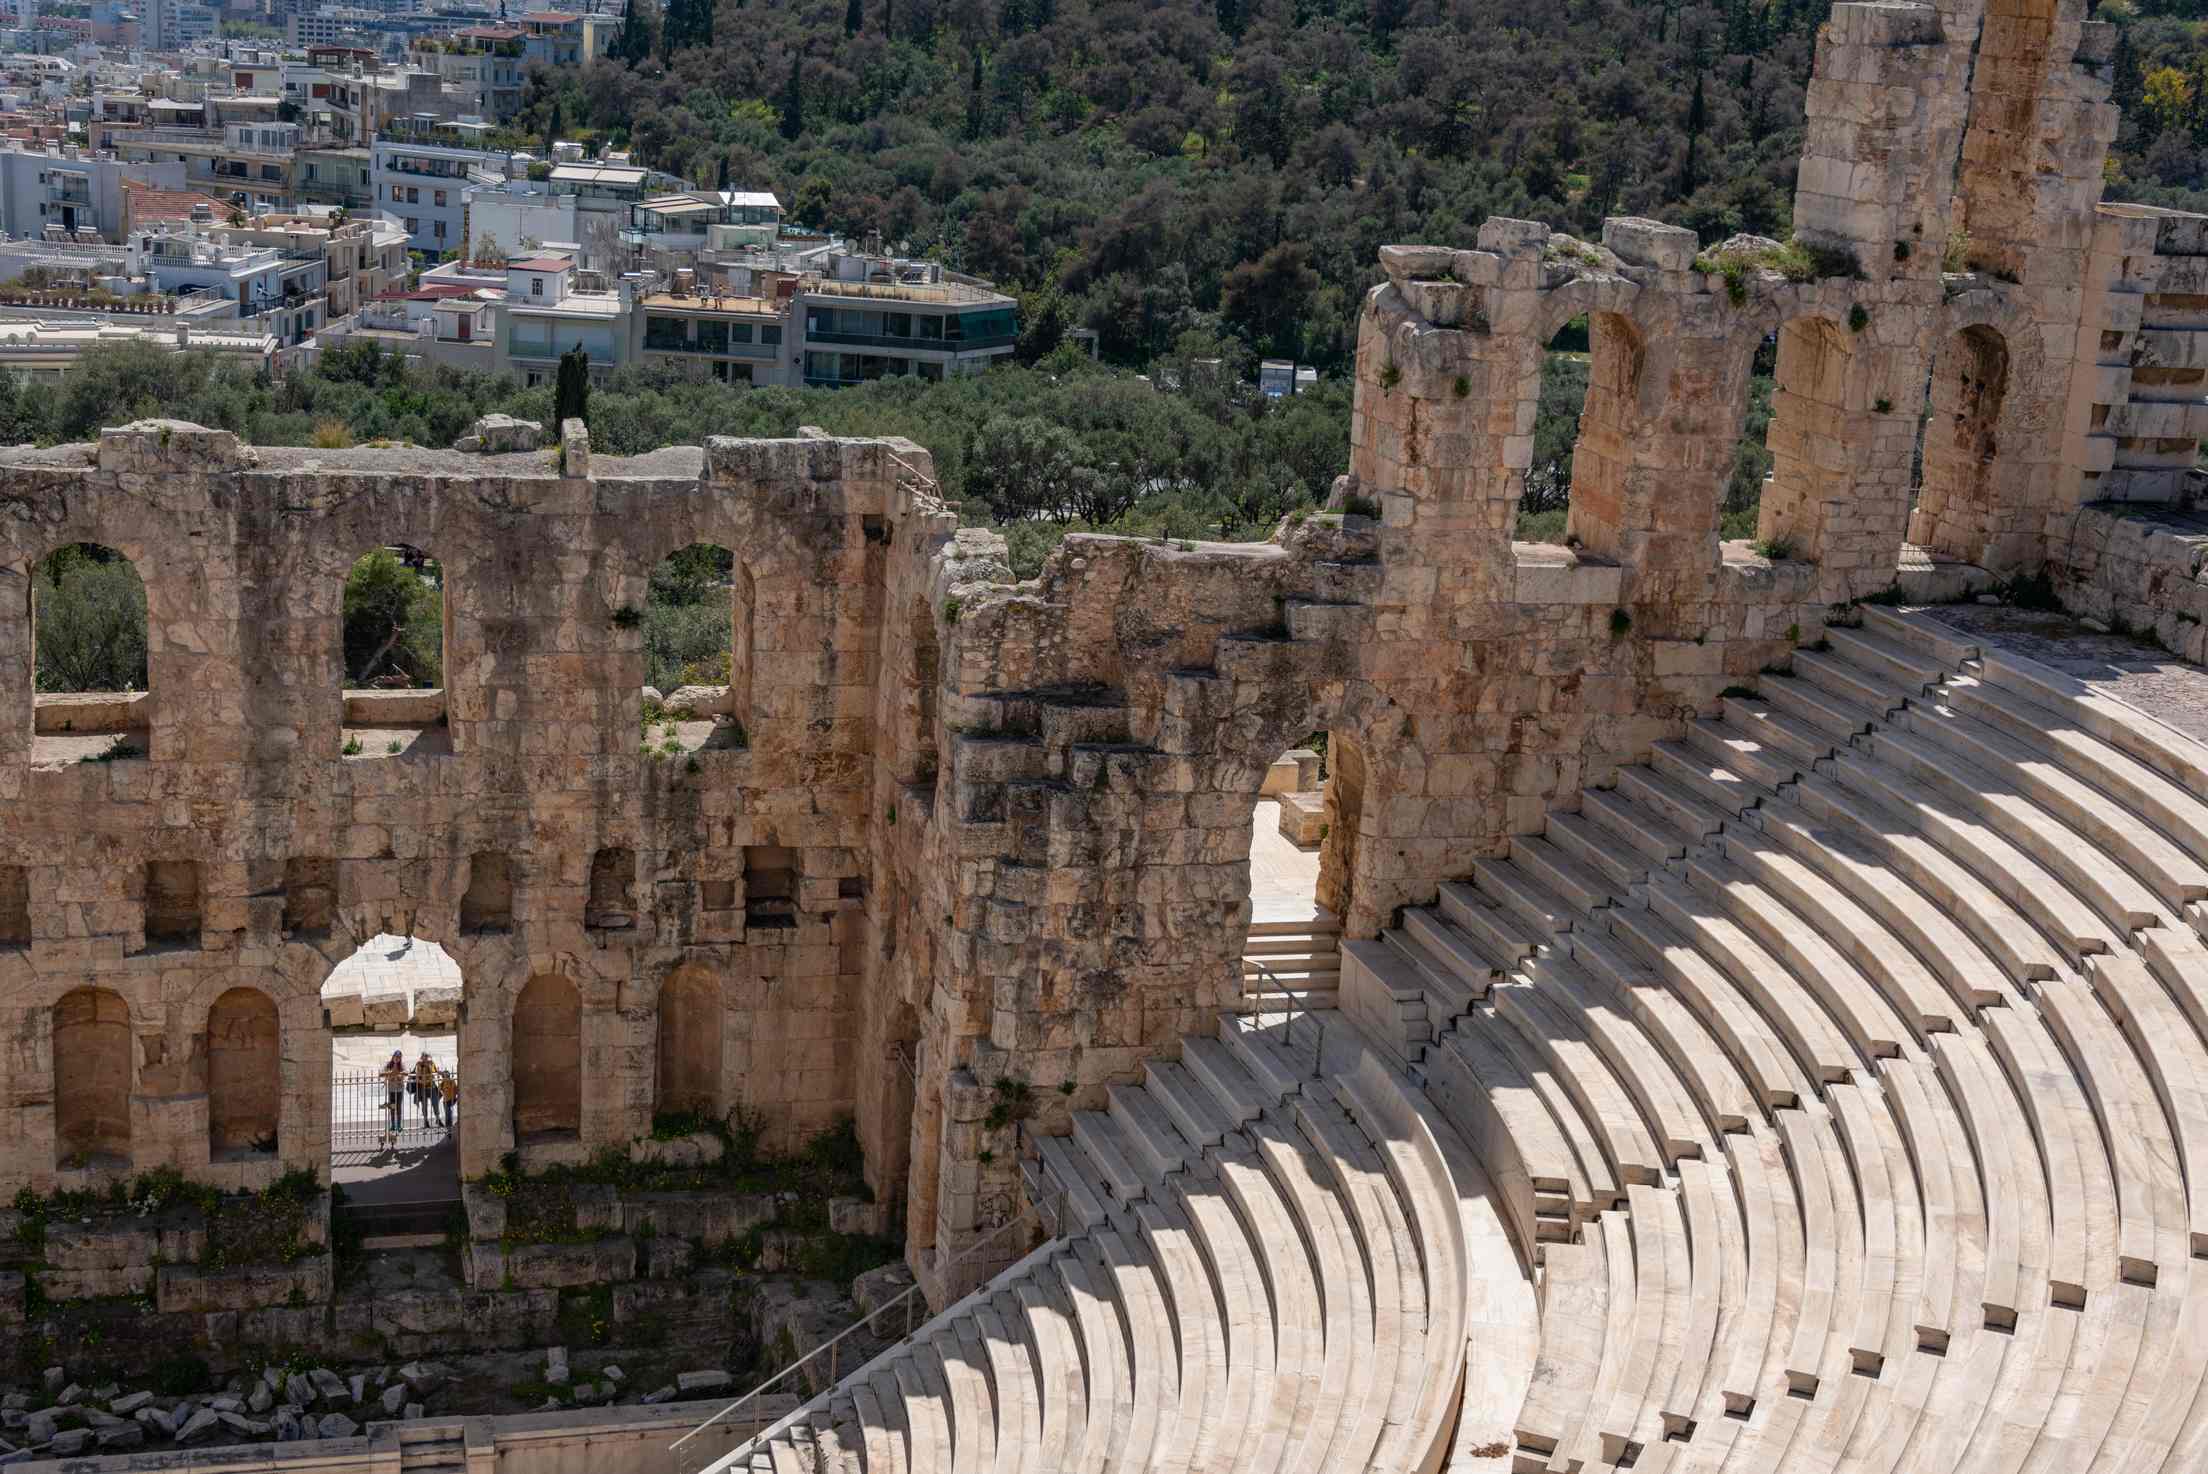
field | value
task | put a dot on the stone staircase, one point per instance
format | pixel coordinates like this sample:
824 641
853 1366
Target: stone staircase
1830 1093
1261 1262
1845 1067
1301 952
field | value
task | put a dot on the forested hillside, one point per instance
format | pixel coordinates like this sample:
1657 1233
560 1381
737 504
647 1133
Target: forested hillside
2161 156
1161 165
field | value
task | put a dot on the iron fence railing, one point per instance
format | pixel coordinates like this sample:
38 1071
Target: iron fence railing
362 1113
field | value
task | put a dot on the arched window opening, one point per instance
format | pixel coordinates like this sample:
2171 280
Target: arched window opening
1958 443
690 1044
244 1088
548 1060
88 623
92 1080
1544 505
1750 470
697 652
1811 462
396 631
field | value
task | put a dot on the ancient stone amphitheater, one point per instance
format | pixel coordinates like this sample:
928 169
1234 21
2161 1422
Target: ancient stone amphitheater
1784 1049
1772 1025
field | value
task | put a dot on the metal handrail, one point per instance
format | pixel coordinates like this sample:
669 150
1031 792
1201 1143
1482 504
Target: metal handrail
927 483
831 1347
1288 1030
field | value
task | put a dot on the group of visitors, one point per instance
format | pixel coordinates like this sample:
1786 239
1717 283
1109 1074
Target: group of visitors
435 1092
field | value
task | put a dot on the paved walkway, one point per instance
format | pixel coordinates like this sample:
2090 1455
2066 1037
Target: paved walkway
1283 879
2134 671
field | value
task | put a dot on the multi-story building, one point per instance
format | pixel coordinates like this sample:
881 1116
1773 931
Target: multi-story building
739 340
875 317
334 175
283 291
334 25
362 258
514 216
670 231
38 350
482 64
249 165
545 316
68 195
422 179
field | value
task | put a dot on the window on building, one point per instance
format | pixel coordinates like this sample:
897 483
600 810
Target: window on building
439 229
440 197
771 335
897 324
536 286
739 332
931 327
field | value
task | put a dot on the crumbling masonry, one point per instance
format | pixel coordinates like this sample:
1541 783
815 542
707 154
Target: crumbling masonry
1006 825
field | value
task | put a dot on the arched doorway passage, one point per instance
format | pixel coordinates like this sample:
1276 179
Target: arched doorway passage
394 1142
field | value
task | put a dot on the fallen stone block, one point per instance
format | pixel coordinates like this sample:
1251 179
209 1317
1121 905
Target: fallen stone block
336 1425
704 1381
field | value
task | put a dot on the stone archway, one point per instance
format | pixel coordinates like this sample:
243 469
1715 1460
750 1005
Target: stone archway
1969 385
1601 511
93 1075
690 1043
244 1074
547 1057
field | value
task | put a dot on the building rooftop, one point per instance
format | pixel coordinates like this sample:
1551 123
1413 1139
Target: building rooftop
542 263
755 306
574 304
623 174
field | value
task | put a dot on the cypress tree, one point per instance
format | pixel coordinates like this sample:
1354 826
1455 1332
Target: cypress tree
793 100
854 16
1698 114
974 110
571 389
634 40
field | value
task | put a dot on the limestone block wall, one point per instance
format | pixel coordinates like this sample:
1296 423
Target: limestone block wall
161 1002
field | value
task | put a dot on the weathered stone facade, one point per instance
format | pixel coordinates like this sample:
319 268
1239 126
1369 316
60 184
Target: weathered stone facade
183 906
986 850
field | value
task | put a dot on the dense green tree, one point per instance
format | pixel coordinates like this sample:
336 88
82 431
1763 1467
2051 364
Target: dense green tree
89 608
394 624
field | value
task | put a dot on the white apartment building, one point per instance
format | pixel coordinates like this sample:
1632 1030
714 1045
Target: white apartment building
425 185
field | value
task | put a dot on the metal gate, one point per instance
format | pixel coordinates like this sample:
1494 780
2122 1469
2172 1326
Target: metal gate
362 1113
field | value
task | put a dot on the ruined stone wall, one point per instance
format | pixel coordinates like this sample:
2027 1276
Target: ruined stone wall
159 886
